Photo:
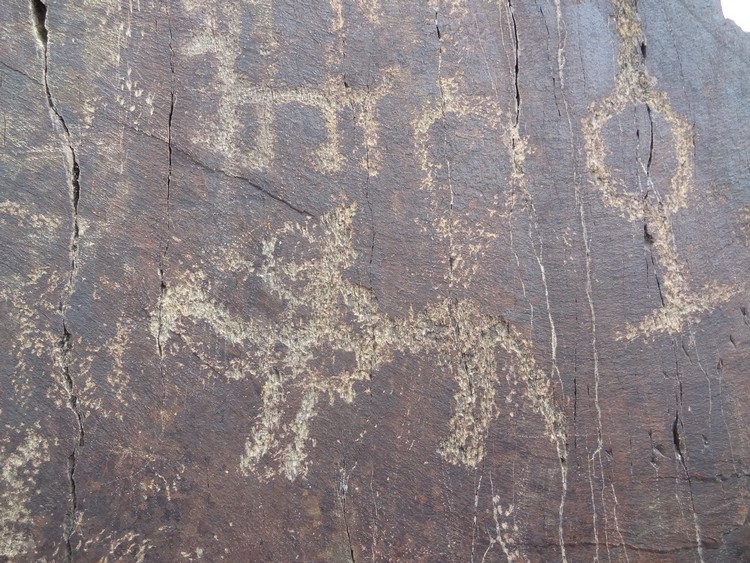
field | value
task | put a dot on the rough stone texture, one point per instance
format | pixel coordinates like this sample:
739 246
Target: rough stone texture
374 280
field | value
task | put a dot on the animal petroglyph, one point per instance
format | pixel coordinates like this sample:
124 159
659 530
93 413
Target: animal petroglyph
324 318
257 100
655 206
329 99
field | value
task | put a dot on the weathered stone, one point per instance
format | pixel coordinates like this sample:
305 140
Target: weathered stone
374 280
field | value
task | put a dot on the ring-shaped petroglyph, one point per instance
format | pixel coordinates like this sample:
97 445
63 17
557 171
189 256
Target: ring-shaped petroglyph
656 205
466 240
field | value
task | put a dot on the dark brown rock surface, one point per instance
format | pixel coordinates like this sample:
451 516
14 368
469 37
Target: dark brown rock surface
374 280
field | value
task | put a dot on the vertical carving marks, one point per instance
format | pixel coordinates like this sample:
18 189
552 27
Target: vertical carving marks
325 316
655 205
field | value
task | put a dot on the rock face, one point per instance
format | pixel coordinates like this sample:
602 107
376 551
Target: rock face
370 280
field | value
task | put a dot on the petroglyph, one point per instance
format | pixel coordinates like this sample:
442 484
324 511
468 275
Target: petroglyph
452 102
372 10
131 97
20 467
257 100
263 28
506 531
325 316
329 99
448 225
654 205
505 122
